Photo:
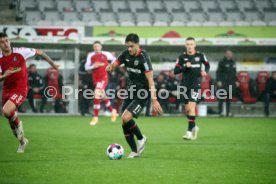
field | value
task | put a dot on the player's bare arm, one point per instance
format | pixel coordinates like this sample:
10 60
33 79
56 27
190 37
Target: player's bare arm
6 74
94 66
155 104
47 58
112 66
98 64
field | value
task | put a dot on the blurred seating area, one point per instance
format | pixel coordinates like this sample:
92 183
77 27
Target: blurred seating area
249 93
147 12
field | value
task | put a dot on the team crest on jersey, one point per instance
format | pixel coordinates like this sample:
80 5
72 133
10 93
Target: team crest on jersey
14 59
136 62
197 59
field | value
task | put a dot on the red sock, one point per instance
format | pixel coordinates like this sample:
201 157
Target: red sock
97 107
13 118
108 104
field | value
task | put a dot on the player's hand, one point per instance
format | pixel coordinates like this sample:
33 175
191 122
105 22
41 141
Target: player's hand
109 68
8 73
188 64
203 73
39 52
219 83
157 107
36 90
56 66
98 64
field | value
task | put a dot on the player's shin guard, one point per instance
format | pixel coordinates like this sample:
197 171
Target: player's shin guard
16 125
13 128
191 122
129 137
108 104
135 129
13 118
97 107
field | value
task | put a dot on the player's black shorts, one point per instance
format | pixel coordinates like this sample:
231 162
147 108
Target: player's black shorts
192 94
135 106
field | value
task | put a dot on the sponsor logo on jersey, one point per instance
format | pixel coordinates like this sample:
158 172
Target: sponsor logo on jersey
127 60
185 59
195 66
134 70
197 59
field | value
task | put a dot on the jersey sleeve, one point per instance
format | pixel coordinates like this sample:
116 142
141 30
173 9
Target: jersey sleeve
110 56
25 52
121 58
204 60
88 65
147 63
179 67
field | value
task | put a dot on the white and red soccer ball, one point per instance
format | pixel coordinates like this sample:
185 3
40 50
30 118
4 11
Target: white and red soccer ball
115 151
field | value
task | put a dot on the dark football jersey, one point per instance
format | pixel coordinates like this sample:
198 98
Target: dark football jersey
226 71
136 67
191 75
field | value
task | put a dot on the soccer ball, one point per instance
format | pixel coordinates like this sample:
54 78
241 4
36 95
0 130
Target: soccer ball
115 151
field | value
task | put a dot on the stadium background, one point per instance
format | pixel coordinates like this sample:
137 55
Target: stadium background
230 150
66 29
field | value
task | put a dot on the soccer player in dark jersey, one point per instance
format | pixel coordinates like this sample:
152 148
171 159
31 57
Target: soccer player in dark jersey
138 66
189 64
14 73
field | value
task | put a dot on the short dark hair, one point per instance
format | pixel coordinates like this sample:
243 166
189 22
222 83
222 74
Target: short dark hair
132 37
32 65
190 38
97 42
2 35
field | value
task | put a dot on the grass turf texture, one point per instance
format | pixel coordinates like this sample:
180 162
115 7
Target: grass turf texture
68 150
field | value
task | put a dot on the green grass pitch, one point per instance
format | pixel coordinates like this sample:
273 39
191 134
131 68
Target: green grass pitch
67 150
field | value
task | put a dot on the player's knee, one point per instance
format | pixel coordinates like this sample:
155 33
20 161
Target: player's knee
191 111
187 110
125 118
6 112
99 94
